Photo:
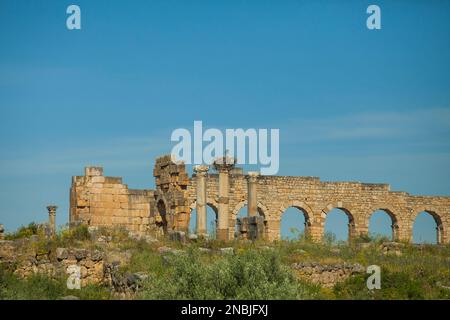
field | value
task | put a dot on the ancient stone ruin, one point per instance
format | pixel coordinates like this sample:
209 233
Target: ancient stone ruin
97 200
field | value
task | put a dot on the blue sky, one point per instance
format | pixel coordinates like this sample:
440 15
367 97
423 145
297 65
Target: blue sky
350 103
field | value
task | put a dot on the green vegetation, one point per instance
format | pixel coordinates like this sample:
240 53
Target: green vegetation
23 232
40 287
256 270
248 275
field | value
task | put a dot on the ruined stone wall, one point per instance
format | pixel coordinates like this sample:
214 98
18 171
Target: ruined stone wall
172 206
105 201
315 199
97 200
25 260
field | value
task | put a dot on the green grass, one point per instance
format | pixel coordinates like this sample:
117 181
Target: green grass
256 270
40 287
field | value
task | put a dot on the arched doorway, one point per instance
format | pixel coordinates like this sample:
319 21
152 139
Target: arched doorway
294 223
339 225
162 219
383 224
427 228
211 221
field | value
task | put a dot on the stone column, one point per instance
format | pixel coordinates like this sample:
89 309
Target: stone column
394 228
201 172
351 231
317 226
223 165
252 200
51 218
2 231
439 233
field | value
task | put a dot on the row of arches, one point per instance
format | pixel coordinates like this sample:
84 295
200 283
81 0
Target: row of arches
338 223
382 224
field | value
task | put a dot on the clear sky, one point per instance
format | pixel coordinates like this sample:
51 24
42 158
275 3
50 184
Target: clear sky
350 103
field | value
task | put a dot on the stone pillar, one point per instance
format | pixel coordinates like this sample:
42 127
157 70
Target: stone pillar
394 228
307 225
51 219
439 233
223 165
351 231
2 231
316 231
201 172
252 201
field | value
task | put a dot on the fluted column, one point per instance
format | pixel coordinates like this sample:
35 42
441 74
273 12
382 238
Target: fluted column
51 219
252 201
201 172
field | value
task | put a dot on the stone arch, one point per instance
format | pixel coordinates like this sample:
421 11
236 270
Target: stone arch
440 231
304 208
262 209
209 202
390 212
347 209
160 198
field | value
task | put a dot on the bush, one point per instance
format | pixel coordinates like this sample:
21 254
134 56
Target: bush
68 236
24 232
249 275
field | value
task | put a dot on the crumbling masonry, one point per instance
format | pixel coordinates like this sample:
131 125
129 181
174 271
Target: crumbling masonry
97 200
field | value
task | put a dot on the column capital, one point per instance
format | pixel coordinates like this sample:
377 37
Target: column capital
52 209
224 164
201 169
252 176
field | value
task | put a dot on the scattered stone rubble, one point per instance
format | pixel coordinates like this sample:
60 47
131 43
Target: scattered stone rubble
392 248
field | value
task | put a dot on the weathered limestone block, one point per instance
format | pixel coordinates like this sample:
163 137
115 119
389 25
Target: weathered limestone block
251 228
327 275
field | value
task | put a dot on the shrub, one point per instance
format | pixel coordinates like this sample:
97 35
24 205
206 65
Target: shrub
23 232
249 275
68 236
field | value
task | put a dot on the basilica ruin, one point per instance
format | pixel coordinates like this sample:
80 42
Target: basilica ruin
98 200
